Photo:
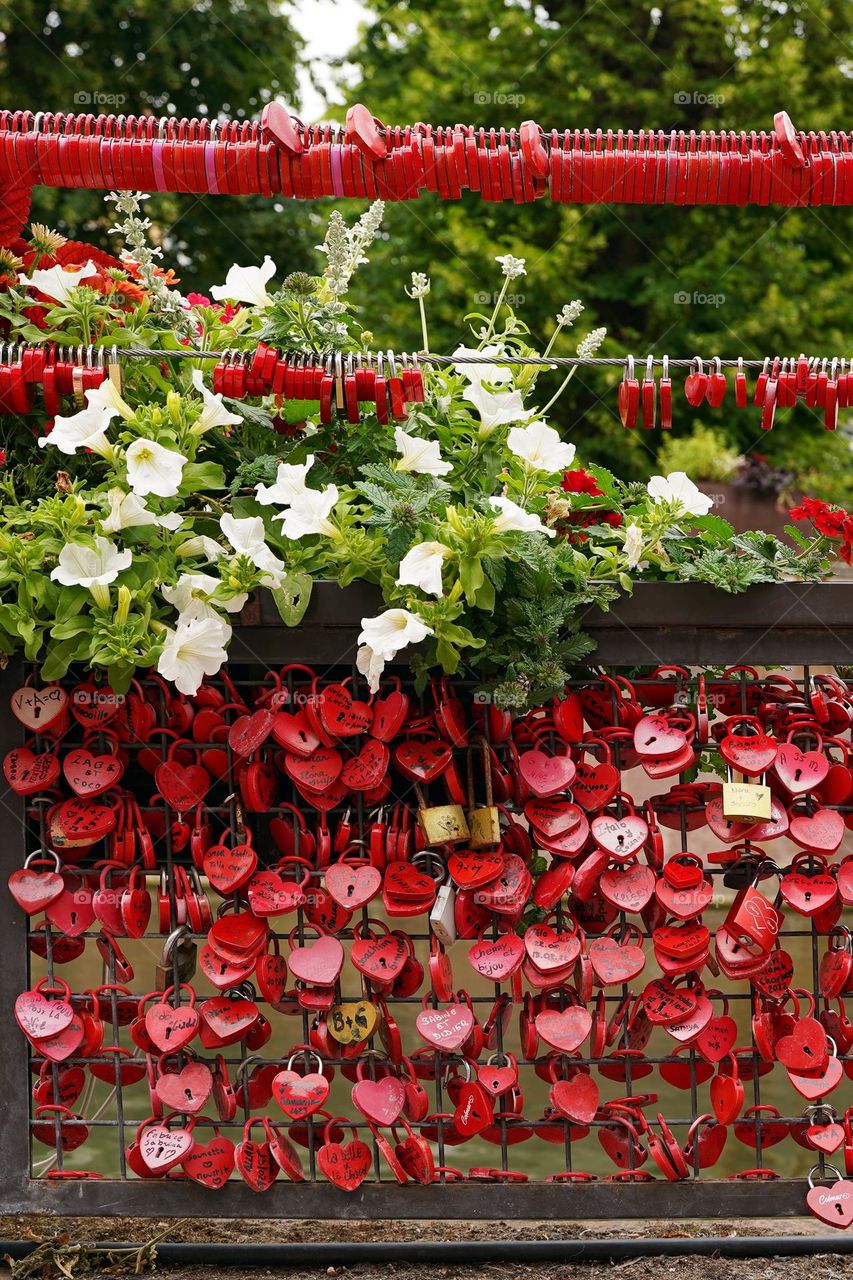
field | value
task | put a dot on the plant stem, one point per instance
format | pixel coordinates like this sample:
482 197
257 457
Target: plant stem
491 325
555 397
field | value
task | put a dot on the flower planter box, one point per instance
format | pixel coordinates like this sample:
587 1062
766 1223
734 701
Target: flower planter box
683 622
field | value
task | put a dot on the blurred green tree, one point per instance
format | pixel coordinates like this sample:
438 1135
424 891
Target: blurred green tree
161 57
734 281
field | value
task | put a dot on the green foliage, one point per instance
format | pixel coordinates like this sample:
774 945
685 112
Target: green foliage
703 454
722 280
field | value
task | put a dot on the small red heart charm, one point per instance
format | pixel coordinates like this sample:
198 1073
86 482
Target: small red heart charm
380 1100
621 837
185 1091
550 950
294 733
806 1048
825 1137
628 888
552 817
227 1017
171 1029
182 787
248 733
717 1038
81 819
163 1148
821 833
40 1018
340 716
65 1043
497 960
576 1099
271 972
319 772
318 963
27 773
300 1096
615 962
255 1163
800 771
91 775
808 894
368 768
38 709
446 1028
353 886
774 980
655 737
546 775
229 869
403 880
564 1029
35 890
210 1163
345 1166
270 895
422 761
817 1085
389 714
72 912
751 754
726 1098
474 1111
595 785
833 1205
470 869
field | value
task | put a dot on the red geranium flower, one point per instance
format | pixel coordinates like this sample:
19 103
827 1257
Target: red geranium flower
580 481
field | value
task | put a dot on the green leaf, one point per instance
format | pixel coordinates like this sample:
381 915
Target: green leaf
198 477
715 525
293 597
471 576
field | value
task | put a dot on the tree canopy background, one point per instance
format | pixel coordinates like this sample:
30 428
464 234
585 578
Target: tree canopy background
728 281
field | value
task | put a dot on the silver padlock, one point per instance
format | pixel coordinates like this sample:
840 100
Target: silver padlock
178 959
442 918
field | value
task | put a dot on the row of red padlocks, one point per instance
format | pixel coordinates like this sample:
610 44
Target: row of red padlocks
366 159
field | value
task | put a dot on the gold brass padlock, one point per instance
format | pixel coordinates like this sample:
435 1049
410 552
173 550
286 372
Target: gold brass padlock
177 960
745 799
443 824
483 820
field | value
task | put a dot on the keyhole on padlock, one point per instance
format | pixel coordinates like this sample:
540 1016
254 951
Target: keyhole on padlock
188 1094
807 1051
168 1032
223 966
159 1152
652 739
808 895
350 890
798 773
73 917
620 840
383 963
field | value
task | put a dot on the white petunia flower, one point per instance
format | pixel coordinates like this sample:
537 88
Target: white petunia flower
540 448
127 511
310 514
106 397
247 537
391 631
678 489
91 567
289 484
633 545
510 266
83 430
421 567
195 649
496 374
514 519
201 545
151 468
371 665
496 408
420 456
213 413
246 284
57 283
190 595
